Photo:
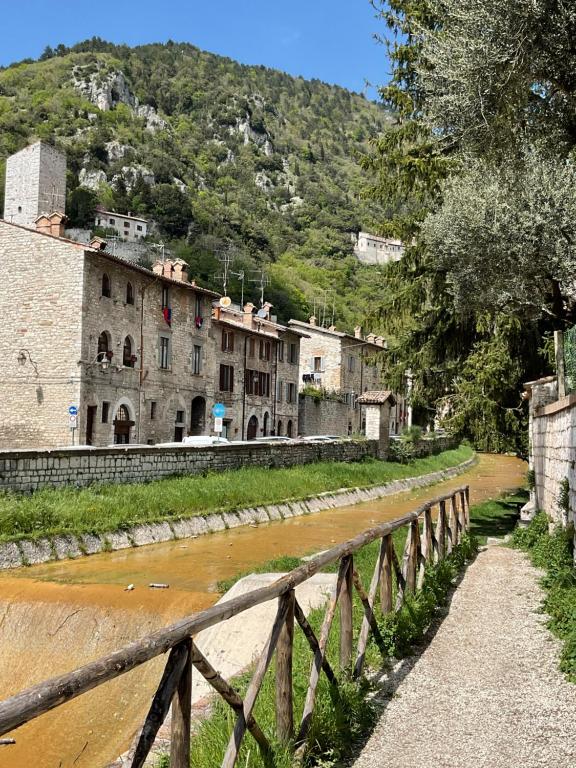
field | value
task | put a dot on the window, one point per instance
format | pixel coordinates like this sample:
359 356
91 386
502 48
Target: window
226 378
105 412
179 427
126 225
318 368
197 306
291 393
264 350
165 297
128 356
279 429
251 347
263 385
104 346
289 429
351 363
164 352
106 287
112 221
279 390
257 383
281 352
139 227
153 407
129 293
227 341
179 417
197 360
293 353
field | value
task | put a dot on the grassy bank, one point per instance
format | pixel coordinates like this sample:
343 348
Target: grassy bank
554 554
341 720
104 508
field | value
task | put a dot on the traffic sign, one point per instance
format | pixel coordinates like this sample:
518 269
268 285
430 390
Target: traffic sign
73 410
218 410
218 424
73 421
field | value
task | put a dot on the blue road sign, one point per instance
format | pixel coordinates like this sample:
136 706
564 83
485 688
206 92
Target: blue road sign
73 410
218 410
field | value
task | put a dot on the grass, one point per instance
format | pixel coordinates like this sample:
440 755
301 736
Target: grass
496 517
106 508
554 553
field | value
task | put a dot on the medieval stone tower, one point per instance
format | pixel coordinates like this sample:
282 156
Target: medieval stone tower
35 184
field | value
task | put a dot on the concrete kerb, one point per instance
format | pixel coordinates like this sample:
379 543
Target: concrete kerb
34 552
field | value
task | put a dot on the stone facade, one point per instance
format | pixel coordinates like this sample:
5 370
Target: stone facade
35 183
552 451
372 249
323 416
32 470
130 228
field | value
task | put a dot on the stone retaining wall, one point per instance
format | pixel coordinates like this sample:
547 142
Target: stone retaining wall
32 470
26 552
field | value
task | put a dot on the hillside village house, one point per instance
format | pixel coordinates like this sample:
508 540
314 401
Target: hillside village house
376 250
131 228
347 366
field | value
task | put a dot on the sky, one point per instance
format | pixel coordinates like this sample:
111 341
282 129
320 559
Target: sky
332 40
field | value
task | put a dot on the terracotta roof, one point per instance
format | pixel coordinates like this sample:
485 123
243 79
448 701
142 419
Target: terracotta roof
377 397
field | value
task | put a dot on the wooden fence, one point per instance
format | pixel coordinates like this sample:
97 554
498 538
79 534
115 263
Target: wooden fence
425 543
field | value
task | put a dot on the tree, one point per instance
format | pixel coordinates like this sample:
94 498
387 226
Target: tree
81 207
171 209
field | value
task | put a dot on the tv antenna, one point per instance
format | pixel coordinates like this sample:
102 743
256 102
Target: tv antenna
241 275
322 309
262 281
157 246
225 256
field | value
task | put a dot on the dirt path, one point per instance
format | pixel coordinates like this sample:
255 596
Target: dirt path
487 691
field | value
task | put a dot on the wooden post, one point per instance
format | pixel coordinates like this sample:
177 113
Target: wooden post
284 702
464 524
346 615
441 530
455 519
410 557
181 716
467 494
386 576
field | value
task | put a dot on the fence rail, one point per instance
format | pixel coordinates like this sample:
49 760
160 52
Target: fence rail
425 543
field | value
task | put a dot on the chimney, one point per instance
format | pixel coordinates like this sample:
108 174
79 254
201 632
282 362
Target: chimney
371 338
267 307
380 341
52 224
98 243
169 269
247 316
158 268
312 320
180 270
43 224
358 332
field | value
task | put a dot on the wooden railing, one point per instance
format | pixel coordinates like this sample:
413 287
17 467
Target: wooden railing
425 543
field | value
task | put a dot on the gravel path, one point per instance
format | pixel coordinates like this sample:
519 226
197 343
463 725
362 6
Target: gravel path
487 690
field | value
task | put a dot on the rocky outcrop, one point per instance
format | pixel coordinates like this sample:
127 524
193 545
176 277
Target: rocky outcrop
91 179
245 129
130 174
117 151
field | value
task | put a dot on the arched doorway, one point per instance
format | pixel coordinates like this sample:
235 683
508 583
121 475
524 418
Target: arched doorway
265 426
122 425
289 429
252 428
279 428
198 416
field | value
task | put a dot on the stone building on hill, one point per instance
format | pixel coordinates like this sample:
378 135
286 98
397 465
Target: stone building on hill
376 250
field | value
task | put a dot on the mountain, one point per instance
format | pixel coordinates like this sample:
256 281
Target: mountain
224 158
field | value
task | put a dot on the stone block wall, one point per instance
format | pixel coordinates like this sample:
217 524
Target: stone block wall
31 470
325 417
553 456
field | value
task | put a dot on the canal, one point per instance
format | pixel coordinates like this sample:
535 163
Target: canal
58 616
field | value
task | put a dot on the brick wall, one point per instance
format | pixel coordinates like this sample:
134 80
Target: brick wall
31 470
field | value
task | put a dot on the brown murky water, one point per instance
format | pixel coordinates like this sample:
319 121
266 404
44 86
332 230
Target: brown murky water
58 616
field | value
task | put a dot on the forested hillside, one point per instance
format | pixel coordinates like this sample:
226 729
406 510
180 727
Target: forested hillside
223 157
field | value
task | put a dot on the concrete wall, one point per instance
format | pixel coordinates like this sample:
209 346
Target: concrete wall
31 470
553 453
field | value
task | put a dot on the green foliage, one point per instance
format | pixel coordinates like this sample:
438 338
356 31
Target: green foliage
554 553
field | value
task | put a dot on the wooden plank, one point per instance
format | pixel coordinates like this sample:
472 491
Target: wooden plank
369 621
255 684
441 530
386 589
463 511
175 666
427 549
412 562
40 698
313 642
346 615
450 528
181 716
228 693
318 661
467 494
284 700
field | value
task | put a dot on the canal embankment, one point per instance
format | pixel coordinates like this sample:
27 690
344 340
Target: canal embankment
59 524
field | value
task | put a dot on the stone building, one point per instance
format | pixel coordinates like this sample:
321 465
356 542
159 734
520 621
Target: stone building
258 372
130 228
35 183
343 366
372 249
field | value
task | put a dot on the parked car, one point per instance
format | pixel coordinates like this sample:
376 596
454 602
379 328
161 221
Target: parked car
273 439
321 438
204 440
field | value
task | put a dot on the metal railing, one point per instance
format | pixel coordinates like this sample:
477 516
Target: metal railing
425 543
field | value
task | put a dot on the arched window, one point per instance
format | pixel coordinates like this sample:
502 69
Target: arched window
104 352
106 287
123 414
279 429
128 356
289 429
122 425
129 293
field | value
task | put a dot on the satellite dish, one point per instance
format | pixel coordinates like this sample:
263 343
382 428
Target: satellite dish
263 313
225 301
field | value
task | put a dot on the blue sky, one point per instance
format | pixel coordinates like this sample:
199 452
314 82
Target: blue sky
331 40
